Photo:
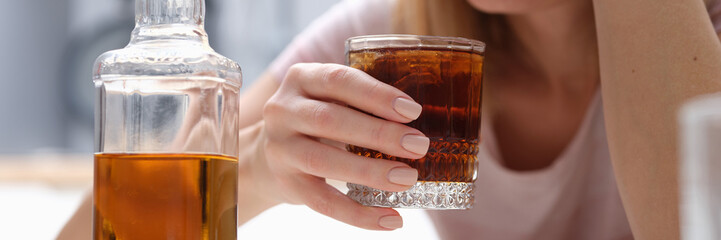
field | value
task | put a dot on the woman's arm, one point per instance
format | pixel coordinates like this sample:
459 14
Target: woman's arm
654 55
252 136
253 99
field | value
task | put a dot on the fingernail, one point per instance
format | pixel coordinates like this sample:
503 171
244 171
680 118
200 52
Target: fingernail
407 108
416 144
391 222
403 176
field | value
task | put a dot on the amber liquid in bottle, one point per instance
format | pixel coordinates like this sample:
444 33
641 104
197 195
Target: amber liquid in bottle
165 196
448 84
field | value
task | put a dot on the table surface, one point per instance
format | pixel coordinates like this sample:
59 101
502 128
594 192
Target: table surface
39 193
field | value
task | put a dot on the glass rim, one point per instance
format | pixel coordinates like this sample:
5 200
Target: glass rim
366 42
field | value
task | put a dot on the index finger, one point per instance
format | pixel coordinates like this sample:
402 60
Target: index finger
355 88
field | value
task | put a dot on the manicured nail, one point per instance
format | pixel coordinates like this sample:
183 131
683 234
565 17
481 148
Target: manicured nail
407 108
391 222
416 144
403 176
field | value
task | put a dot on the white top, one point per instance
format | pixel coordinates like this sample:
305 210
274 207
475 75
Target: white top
574 198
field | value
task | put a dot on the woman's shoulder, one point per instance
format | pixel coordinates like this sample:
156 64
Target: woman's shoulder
359 15
363 16
324 39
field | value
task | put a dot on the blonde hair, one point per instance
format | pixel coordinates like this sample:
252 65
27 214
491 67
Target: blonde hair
456 18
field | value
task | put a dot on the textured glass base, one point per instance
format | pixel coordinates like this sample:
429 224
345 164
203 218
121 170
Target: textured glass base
425 195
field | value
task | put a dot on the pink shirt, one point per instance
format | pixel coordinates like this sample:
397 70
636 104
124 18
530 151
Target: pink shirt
574 198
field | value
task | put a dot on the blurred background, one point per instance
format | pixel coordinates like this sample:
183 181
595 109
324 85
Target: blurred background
46 99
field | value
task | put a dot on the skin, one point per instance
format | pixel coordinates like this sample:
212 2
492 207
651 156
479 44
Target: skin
647 57
537 108
647 72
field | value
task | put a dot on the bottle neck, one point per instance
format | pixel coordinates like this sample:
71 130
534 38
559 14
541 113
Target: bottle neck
169 20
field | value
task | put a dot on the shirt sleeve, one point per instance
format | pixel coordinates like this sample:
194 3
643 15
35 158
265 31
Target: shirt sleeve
324 39
714 11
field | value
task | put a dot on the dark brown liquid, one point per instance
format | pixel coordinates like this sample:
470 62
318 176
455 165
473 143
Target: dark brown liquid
165 196
448 85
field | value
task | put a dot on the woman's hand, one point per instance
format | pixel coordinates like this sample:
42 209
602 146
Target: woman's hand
312 105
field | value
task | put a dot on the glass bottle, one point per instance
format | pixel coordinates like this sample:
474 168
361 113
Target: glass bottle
699 178
166 131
